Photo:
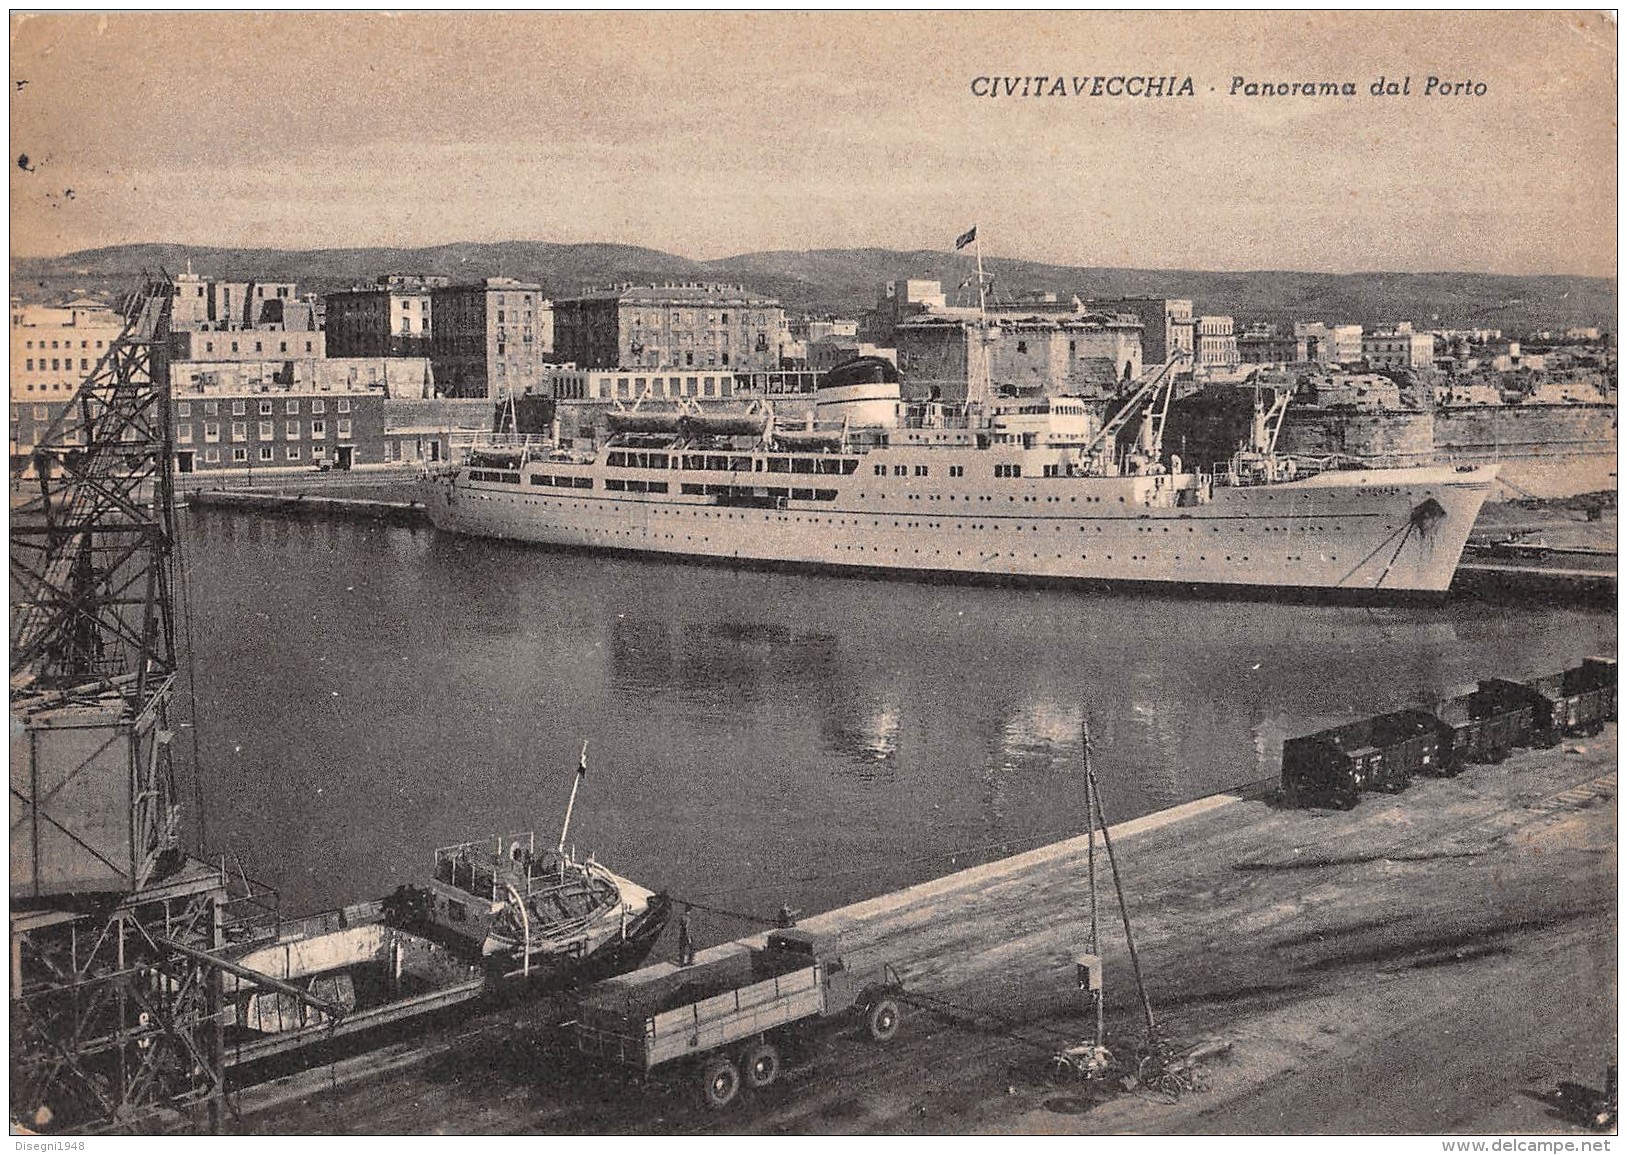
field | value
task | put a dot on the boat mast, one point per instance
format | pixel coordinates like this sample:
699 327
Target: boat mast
581 773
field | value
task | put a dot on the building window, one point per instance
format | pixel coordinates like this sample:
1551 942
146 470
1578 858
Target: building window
211 431
292 431
293 453
319 406
267 430
240 455
344 427
212 456
31 364
183 409
239 408
290 406
183 433
240 430
319 429
41 413
210 408
265 453
343 405
265 409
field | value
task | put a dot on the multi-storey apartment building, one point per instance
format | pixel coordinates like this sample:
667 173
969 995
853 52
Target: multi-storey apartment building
391 318
491 338
205 303
1398 348
1328 344
1215 345
687 326
53 347
276 430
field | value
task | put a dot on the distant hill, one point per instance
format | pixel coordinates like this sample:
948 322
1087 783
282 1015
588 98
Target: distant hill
845 282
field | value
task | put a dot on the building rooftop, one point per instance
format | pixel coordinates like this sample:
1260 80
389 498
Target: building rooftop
688 292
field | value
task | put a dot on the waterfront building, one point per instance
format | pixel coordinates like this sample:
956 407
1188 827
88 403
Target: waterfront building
390 318
404 377
54 347
1215 345
1167 327
428 430
703 327
1081 355
289 430
490 338
1398 348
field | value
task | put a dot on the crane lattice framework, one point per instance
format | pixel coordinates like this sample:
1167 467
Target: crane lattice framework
116 1012
92 537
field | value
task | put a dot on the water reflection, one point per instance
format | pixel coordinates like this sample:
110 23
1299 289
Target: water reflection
367 693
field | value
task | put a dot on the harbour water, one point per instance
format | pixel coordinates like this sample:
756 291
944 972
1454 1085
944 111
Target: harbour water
365 694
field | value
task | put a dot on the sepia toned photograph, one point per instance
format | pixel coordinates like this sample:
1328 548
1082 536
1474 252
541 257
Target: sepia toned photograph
768 573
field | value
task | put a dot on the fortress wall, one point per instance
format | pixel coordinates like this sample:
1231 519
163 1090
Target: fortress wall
1393 438
1545 450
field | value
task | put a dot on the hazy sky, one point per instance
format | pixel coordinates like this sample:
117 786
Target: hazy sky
710 135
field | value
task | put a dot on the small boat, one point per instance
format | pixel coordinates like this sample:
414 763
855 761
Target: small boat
526 913
494 914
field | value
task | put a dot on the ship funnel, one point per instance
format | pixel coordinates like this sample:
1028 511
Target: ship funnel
861 392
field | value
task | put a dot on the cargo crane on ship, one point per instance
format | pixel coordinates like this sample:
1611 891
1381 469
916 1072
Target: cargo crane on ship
116 996
1150 403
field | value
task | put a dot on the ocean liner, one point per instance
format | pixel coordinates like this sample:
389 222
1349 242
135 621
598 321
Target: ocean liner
1029 488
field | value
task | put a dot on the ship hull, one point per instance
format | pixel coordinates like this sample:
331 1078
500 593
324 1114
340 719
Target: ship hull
1371 532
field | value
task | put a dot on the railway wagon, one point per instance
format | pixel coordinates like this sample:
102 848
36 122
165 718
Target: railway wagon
1335 767
1603 673
1480 727
1576 701
727 1016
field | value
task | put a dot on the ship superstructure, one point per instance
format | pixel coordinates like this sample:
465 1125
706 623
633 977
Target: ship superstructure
1021 488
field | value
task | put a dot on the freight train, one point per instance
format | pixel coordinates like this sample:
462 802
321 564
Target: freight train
1335 767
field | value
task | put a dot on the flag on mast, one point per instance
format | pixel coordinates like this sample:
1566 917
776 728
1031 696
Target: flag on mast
582 763
966 238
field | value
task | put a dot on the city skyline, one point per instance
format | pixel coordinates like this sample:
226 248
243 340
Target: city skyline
828 131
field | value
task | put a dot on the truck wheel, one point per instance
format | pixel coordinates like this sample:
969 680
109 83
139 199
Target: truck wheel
760 1065
720 1082
883 1020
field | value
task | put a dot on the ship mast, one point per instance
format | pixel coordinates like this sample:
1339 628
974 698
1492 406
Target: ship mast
979 380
